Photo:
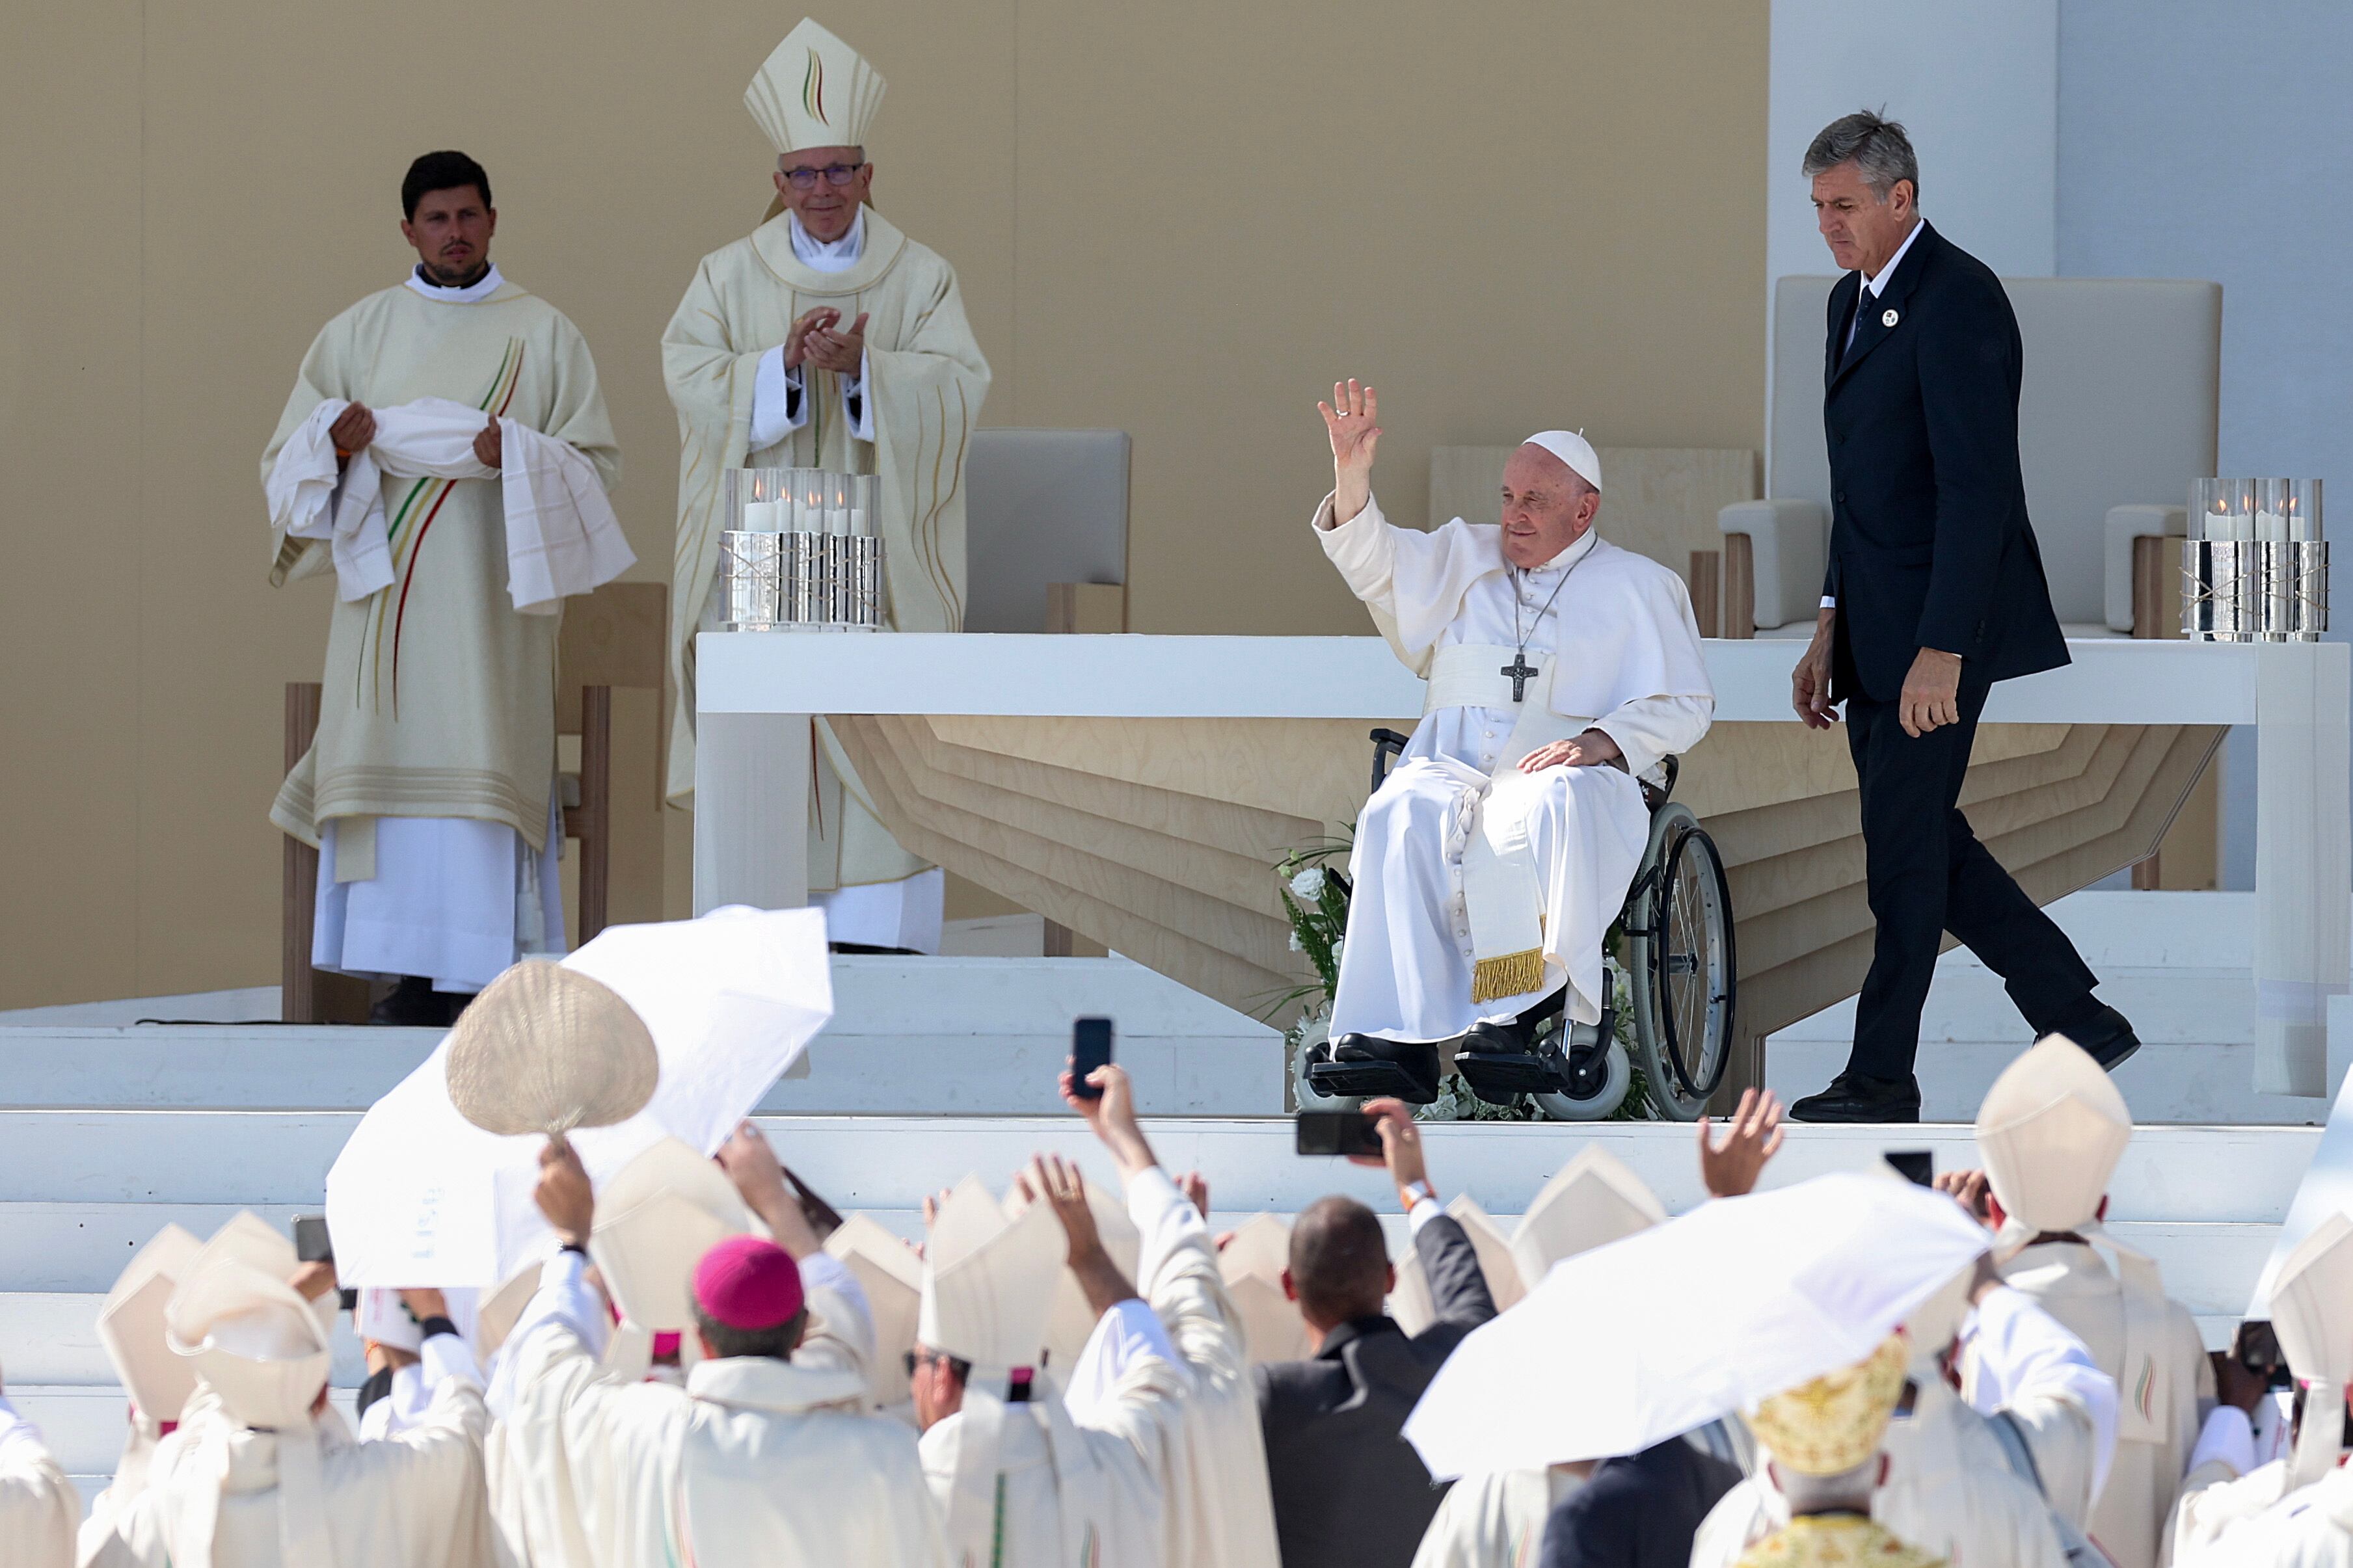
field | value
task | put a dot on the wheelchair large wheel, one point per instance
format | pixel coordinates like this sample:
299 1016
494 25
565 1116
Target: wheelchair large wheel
1684 973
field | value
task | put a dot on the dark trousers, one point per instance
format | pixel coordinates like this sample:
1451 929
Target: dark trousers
1928 875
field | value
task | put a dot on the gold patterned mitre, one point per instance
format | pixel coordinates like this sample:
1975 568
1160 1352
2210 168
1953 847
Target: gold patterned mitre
1835 1423
814 91
2051 1131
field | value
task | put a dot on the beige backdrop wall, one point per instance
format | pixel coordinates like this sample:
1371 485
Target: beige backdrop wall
1180 219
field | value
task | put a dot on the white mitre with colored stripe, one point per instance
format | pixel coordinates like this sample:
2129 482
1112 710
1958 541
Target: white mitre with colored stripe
814 91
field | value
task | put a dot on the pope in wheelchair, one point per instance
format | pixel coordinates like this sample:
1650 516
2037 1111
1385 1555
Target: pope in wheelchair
1563 672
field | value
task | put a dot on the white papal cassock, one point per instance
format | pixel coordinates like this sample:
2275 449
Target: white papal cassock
754 1460
1474 880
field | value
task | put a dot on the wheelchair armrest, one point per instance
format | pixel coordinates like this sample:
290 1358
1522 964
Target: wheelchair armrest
1387 743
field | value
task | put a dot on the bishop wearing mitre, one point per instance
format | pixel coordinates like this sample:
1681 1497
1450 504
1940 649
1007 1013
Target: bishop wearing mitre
827 339
1562 671
444 455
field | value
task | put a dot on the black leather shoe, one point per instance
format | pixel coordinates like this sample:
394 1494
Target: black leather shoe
2108 1037
1858 1097
413 1004
1367 1065
1513 1036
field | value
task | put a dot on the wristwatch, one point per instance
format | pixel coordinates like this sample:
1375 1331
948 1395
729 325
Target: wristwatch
1417 1193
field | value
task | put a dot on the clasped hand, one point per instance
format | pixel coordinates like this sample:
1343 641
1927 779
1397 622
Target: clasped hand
1589 750
814 341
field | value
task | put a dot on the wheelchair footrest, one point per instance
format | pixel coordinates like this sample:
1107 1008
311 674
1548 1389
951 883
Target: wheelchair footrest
1367 1081
1498 1079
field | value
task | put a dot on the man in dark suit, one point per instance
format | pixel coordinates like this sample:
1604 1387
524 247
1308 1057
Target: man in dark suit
1934 592
1349 1491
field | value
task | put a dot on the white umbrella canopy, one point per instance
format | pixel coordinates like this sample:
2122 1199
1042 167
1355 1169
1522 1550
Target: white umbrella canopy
1638 1340
420 1196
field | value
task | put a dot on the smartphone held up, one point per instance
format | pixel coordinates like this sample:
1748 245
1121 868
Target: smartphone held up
1341 1132
1090 1049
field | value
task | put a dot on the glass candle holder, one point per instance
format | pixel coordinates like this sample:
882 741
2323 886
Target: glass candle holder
2222 509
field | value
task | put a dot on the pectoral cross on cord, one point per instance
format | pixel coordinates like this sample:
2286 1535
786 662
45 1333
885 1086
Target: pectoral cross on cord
1520 670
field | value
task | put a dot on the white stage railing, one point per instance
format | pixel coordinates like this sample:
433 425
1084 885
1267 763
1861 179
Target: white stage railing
756 691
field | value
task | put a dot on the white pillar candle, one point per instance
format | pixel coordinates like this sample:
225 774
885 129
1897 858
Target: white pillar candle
2270 528
763 517
858 521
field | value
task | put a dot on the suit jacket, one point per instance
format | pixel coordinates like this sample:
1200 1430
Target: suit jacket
1640 1511
1930 545
1349 1492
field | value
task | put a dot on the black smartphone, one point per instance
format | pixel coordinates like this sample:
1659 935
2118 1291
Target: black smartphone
2255 1346
1917 1166
1338 1133
1090 1049
311 1243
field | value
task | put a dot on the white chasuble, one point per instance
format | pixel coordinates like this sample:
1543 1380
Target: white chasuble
922 393
440 696
755 1461
1481 889
38 1506
1058 1493
2162 1401
2309 1528
413 1500
1220 1508
1494 1520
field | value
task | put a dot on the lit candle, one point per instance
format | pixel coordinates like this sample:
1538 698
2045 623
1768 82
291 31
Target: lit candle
2270 528
763 517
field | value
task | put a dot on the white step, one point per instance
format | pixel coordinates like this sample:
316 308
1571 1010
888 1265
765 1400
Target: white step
921 1035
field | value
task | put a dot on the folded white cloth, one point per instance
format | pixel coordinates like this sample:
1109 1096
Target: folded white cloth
562 535
311 498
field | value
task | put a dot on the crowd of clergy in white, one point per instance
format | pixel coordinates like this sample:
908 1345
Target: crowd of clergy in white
709 1365
445 457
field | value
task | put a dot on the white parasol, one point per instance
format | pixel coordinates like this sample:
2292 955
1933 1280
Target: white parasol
1638 1340
420 1196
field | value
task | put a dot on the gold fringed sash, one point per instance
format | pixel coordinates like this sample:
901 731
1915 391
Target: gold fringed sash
1513 975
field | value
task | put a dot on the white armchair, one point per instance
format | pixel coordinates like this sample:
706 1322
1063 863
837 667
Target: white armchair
2116 416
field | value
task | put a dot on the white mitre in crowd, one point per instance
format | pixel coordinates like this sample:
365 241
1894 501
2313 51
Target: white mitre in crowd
1530 869
2295 1512
655 1220
2051 1130
1019 1480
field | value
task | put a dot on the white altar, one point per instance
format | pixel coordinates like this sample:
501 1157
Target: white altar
756 693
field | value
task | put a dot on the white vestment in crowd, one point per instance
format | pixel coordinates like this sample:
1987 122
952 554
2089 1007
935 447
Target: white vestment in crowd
1480 889
1494 1520
2310 1528
413 1501
1220 1510
2162 1397
38 1506
1077 1485
430 786
754 1461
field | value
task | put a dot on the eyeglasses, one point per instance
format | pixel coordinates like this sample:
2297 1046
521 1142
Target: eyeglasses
834 174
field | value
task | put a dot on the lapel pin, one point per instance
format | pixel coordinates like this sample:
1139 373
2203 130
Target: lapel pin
1887 320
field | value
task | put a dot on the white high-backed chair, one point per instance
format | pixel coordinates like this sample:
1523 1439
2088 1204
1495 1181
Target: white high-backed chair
2115 416
1046 531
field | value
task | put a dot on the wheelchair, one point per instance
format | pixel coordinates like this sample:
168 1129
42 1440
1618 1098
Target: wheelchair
1678 977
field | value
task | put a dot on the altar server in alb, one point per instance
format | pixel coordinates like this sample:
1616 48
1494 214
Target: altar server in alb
2051 1131
444 455
827 339
1562 670
770 1453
